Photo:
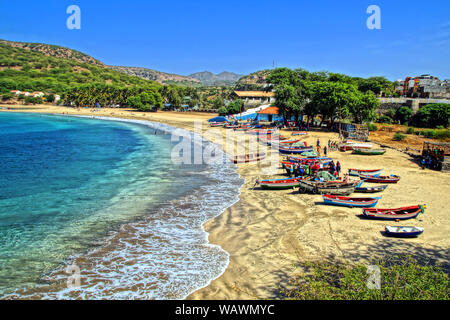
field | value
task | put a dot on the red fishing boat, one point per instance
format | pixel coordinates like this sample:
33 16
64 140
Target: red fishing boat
402 213
249 158
380 179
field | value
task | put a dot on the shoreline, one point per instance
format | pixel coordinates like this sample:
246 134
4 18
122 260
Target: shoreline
165 128
267 232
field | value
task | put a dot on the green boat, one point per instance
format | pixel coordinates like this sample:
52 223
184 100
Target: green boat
369 152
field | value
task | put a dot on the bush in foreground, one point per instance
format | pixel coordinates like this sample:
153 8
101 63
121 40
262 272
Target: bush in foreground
404 279
399 136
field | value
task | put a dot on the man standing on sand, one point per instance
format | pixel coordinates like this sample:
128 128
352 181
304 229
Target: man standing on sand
325 151
318 150
338 168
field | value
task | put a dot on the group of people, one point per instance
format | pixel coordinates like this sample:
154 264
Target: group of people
430 163
311 168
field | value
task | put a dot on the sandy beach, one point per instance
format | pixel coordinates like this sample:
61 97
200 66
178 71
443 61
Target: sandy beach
267 232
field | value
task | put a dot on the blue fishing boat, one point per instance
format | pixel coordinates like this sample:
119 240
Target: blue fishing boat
296 150
350 202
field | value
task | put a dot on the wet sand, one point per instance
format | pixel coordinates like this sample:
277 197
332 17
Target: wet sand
267 232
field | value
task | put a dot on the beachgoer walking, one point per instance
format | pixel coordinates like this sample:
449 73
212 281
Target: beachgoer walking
318 142
318 150
325 151
338 168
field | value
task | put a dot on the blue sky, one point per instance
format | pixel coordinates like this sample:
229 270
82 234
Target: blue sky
245 36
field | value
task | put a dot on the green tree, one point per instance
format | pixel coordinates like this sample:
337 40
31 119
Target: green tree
364 109
432 115
223 111
333 99
403 114
291 100
235 107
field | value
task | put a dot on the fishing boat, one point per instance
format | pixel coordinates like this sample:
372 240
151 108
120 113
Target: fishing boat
358 172
380 179
218 124
280 184
299 133
263 131
286 143
369 152
249 158
402 213
231 126
295 150
404 232
373 189
330 187
350 145
350 202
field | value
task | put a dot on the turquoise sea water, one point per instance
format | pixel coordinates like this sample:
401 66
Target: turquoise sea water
106 195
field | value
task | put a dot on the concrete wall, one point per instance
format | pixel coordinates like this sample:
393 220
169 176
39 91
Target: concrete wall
415 103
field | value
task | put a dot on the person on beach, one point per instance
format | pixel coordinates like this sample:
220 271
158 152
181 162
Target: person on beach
325 151
329 143
423 163
318 142
318 150
338 168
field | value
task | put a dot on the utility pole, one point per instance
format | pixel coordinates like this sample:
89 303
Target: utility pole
340 125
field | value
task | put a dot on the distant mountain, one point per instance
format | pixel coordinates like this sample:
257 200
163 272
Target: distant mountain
211 79
161 77
54 51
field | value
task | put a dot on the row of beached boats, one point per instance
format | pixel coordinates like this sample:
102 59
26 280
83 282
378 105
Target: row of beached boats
336 192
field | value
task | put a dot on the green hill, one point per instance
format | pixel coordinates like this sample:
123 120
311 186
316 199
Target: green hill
39 67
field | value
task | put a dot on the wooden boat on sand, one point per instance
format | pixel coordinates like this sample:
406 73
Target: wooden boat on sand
402 213
372 189
358 172
249 158
380 179
295 150
404 232
350 202
329 187
369 152
280 184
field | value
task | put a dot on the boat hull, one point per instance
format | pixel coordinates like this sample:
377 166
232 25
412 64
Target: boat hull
350 202
380 179
371 189
358 172
366 152
327 188
249 158
295 151
403 232
403 213
280 184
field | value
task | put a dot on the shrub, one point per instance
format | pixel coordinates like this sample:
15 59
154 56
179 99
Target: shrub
7 96
410 130
32 100
400 279
432 115
431 134
403 114
385 119
223 111
372 127
399 136
443 134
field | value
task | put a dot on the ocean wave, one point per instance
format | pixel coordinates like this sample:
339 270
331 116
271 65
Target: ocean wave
165 255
